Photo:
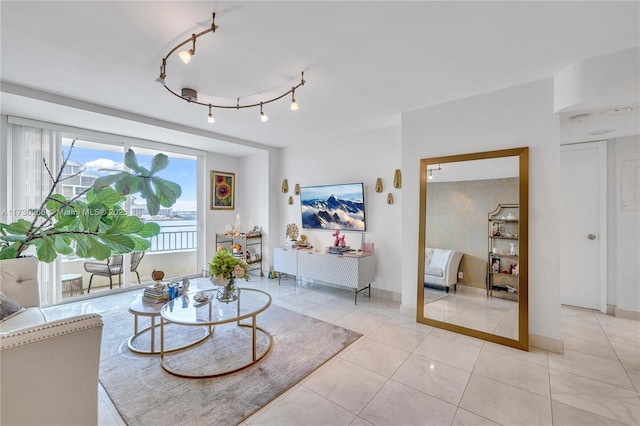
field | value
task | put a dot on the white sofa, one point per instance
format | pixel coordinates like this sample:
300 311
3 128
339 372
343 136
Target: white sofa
441 267
49 369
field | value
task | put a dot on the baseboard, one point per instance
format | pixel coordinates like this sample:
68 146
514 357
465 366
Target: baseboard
625 313
470 289
546 343
386 294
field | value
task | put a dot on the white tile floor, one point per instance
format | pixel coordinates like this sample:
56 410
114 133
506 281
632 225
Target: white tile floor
404 373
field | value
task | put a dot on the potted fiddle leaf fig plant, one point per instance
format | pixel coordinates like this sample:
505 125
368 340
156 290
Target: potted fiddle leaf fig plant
98 226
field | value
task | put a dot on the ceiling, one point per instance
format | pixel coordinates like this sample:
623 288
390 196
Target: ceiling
93 64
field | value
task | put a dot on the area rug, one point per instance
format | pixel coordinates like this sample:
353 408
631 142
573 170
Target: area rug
145 394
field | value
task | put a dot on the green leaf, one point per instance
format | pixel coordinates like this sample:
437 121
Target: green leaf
98 250
108 180
167 192
60 245
125 225
94 213
55 201
140 243
8 252
20 227
153 204
118 243
83 245
46 252
159 162
128 185
14 238
150 229
65 217
131 161
107 196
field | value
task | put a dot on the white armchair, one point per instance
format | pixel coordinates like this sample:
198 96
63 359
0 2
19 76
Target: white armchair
441 267
49 370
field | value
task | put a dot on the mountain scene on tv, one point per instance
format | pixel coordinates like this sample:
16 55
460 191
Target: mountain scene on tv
333 207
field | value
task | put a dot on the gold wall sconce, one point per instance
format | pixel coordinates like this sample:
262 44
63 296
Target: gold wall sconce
390 198
296 189
285 186
397 179
379 185
290 200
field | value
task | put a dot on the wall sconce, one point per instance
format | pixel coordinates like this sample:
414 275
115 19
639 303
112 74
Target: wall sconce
397 179
390 198
285 186
379 185
290 200
296 189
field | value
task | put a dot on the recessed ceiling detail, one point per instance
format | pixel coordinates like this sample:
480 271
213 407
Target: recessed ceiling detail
617 111
191 95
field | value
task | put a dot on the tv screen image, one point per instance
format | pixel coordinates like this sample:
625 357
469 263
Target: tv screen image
333 207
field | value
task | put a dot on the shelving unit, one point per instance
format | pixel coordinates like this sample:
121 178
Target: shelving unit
502 265
251 248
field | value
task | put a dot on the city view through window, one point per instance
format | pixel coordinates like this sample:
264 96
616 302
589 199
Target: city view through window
174 250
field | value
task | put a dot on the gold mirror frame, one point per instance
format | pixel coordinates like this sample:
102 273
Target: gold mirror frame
522 341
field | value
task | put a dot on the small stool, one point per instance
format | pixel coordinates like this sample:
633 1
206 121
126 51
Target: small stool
72 283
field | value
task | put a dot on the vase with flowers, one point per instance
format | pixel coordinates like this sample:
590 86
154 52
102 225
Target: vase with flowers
224 269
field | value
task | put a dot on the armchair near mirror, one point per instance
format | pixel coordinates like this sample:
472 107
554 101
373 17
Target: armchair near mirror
458 199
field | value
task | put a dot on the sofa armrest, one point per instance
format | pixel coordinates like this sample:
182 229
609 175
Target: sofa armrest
50 372
451 271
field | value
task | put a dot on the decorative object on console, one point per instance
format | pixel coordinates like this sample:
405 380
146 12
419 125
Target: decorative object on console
389 198
333 207
339 241
378 185
223 190
292 231
397 179
191 95
285 186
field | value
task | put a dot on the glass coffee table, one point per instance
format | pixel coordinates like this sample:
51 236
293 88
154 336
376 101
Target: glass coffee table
235 342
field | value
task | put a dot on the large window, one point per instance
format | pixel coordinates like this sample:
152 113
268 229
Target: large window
173 251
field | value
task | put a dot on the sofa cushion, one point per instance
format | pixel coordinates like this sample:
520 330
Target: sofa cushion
27 318
436 272
8 307
440 258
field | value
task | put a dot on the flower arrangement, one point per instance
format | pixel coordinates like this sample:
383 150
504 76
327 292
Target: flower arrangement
225 265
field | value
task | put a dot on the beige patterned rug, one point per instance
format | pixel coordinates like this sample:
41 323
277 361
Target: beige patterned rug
145 394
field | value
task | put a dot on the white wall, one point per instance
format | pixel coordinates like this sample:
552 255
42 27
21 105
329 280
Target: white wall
253 197
216 220
361 157
624 225
514 117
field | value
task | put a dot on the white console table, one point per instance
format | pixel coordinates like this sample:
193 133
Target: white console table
352 271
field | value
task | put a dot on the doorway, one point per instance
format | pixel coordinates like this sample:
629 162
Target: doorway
583 278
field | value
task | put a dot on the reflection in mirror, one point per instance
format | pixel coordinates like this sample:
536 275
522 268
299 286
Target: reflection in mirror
473 258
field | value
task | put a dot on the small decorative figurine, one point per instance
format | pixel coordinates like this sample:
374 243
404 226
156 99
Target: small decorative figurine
339 242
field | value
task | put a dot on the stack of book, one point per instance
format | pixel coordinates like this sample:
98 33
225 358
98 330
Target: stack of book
339 250
155 294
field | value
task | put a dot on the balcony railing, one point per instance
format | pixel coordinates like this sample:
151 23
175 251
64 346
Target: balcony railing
174 237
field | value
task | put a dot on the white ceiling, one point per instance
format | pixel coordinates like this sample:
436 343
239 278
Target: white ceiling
365 62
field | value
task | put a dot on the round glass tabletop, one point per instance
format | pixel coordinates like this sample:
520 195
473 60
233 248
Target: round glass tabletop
191 310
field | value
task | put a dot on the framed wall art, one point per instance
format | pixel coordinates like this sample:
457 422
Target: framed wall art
223 187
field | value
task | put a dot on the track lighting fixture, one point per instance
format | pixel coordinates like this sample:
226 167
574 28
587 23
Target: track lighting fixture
191 94
430 171
263 116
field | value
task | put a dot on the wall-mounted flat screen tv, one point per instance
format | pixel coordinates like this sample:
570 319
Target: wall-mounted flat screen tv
333 207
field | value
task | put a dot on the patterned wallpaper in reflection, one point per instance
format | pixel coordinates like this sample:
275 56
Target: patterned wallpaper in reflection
457 214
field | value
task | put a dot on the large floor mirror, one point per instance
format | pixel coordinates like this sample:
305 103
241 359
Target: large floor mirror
473 240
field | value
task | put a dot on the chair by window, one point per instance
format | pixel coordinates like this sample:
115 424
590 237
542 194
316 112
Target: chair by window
136 257
109 269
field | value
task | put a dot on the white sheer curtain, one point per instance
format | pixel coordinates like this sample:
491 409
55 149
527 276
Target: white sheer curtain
29 183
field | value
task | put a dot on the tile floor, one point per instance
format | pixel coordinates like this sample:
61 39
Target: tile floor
404 373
